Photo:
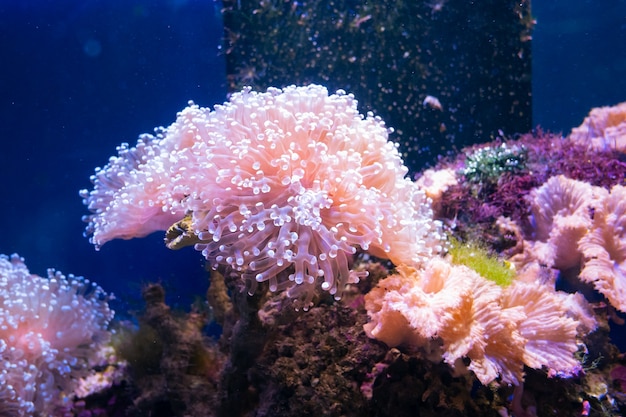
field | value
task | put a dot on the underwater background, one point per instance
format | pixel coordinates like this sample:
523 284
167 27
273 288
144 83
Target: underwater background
80 77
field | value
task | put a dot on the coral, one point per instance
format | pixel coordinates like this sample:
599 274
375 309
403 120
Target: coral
132 194
484 167
550 155
449 305
481 330
604 128
604 249
289 180
550 334
493 180
473 208
561 215
451 312
51 331
391 298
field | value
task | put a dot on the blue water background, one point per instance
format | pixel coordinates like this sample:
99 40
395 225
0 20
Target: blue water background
78 78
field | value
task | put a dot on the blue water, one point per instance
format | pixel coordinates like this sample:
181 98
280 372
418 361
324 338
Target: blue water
78 78
579 59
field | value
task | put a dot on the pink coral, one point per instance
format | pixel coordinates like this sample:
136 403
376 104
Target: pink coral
414 299
484 332
448 310
561 215
604 128
549 332
50 332
451 312
604 249
287 178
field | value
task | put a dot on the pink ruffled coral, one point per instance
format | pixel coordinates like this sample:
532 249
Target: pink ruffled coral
549 332
604 128
604 249
451 312
484 332
414 299
50 332
287 178
561 214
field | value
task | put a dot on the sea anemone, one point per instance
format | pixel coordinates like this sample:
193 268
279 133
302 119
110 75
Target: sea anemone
485 166
604 249
283 186
50 332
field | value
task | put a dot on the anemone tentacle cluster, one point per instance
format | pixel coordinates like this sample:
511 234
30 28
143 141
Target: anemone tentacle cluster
291 177
51 329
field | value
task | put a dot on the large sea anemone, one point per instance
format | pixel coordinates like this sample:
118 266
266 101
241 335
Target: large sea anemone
283 186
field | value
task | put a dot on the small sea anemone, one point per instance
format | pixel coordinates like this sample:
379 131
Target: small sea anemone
283 186
484 167
50 334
